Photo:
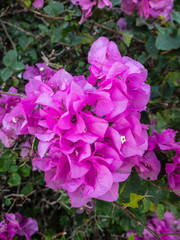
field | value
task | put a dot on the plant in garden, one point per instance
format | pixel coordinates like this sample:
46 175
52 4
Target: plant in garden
15 224
89 141
91 133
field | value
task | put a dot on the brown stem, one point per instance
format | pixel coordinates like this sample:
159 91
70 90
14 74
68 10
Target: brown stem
166 234
13 94
165 188
20 29
111 30
7 35
132 216
41 14
104 27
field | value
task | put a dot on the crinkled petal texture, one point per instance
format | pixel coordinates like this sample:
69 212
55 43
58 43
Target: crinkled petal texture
89 132
15 224
148 7
161 7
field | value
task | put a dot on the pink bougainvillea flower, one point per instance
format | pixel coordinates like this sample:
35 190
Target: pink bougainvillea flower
38 3
163 141
168 225
148 7
173 172
122 24
148 166
161 7
87 5
40 69
15 224
128 6
89 132
103 3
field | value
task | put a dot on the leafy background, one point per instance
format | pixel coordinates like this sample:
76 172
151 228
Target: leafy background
53 35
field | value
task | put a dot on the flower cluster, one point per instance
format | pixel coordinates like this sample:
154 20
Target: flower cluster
169 224
87 5
145 8
15 224
89 131
165 142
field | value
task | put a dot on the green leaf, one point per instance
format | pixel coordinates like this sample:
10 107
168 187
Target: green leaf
167 90
19 66
155 91
176 16
87 39
57 34
116 2
28 188
54 8
6 73
50 10
39 180
151 48
160 211
146 205
173 77
14 179
14 168
75 40
131 237
64 221
7 160
24 41
142 58
157 194
27 3
166 40
7 202
25 171
10 58
134 199
127 37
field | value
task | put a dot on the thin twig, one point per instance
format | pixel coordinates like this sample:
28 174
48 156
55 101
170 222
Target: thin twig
7 34
132 216
165 188
42 14
178 207
21 29
118 33
13 94
2 14
104 27
167 234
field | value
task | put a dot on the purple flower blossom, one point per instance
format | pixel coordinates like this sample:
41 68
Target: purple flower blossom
122 24
173 172
87 5
168 225
16 224
38 3
148 7
89 137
